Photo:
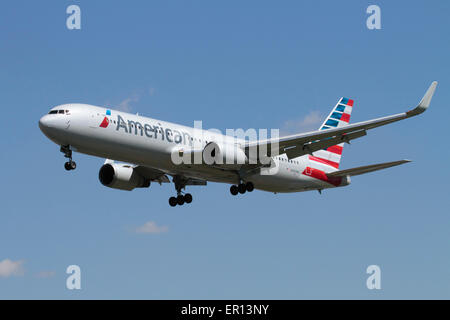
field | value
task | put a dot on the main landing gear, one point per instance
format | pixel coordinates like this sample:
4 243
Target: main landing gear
181 198
69 165
242 188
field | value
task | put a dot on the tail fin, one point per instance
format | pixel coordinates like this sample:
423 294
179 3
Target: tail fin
338 117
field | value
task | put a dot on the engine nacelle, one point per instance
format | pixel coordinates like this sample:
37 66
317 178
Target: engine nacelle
226 155
120 176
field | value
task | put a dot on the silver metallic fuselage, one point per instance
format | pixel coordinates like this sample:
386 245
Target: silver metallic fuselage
81 129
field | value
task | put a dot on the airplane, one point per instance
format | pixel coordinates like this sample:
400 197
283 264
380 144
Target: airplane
148 150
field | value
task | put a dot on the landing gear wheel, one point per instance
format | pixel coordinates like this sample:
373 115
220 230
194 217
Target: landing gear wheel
249 186
242 188
180 199
70 165
188 198
173 201
234 190
180 184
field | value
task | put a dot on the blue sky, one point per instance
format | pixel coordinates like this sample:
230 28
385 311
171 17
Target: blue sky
233 64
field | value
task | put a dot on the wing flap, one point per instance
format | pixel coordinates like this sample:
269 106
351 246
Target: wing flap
366 169
195 182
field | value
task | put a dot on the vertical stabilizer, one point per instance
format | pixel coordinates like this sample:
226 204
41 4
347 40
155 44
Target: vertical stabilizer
338 117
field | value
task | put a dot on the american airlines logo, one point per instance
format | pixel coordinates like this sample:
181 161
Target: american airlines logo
149 130
104 123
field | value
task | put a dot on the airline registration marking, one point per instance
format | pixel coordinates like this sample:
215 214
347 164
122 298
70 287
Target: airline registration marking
229 309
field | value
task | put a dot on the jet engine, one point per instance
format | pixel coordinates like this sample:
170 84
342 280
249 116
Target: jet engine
121 176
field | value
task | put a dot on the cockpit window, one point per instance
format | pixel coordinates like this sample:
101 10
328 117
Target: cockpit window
59 112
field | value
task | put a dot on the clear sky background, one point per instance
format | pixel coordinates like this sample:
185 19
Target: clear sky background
232 64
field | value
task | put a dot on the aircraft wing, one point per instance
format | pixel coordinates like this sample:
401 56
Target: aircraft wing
195 182
366 169
149 173
160 176
304 143
152 174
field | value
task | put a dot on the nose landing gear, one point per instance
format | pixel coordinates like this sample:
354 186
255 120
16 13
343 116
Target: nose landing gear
69 165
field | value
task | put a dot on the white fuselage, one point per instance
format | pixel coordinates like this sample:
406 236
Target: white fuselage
149 142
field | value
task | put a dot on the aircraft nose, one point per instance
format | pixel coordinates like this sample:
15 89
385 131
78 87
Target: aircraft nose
45 123
50 125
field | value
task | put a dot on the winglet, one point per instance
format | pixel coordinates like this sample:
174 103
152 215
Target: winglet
425 102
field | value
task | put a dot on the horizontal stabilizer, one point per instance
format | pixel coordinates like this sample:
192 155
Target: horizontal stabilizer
366 169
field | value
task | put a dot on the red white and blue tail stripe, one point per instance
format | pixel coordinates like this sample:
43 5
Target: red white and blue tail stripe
338 117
